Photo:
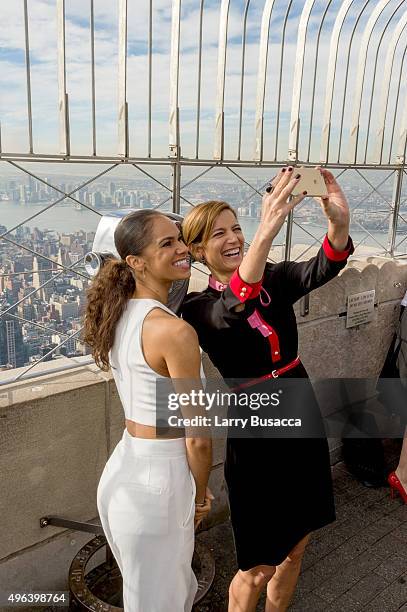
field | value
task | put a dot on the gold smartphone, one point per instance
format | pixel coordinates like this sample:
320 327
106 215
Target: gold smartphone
311 181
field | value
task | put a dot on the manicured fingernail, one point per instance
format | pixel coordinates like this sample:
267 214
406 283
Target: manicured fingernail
283 170
297 176
304 192
268 189
290 169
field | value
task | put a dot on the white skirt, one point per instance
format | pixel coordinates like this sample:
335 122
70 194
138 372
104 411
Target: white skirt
146 503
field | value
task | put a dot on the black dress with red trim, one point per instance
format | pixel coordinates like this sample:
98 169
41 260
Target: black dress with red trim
280 489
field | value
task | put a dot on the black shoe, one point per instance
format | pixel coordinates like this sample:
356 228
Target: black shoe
373 482
364 458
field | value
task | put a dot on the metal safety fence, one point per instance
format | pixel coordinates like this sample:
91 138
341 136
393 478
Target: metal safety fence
251 86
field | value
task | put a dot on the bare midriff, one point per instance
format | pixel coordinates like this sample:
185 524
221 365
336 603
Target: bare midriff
137 430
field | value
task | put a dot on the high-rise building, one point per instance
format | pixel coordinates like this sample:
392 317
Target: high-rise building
48 188
82 195
96 199
253 208
63 258
66 310
38 234
2 278
12 349
41 273
66 239
33 189
69 345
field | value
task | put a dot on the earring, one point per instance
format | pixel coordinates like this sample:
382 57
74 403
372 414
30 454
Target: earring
144 274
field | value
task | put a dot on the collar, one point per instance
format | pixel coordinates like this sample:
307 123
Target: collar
218 286
215 284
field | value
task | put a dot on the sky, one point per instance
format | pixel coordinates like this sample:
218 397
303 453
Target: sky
44 82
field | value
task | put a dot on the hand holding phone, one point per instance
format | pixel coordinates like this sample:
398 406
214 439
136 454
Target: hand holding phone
312 182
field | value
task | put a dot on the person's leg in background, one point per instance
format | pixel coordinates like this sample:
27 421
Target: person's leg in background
398 479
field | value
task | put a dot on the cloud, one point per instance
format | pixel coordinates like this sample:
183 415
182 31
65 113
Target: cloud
44 74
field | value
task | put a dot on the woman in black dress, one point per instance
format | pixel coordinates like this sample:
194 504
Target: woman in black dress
280 489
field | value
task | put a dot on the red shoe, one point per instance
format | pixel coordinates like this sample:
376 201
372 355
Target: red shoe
395 485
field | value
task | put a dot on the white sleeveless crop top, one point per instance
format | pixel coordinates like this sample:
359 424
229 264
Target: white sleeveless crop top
135 380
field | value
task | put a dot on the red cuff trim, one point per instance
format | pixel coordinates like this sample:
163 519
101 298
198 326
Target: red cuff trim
334 255
244 291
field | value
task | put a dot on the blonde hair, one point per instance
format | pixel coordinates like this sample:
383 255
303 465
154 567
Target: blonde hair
198 223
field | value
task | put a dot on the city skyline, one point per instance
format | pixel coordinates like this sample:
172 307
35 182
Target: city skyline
55 56
58 305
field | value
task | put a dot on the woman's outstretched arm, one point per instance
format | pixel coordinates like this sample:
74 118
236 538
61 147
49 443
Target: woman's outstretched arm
275 208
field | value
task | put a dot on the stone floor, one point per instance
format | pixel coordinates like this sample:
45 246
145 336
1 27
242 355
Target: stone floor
357 563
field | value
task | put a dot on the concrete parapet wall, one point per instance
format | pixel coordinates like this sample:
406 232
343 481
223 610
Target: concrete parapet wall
358 351
57 431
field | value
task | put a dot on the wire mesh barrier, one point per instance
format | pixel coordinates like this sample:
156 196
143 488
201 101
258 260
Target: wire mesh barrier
211 101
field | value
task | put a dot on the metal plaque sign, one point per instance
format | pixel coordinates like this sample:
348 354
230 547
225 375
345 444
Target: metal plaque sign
360 308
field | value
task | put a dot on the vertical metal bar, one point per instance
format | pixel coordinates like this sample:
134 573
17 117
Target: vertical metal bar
220 87
174 76
64 138
360 78
123 123
92 52
0 140
198 101
385 85
315 78
176 187
395 209
330 79
176 172
246 9
404 118
28 75
150 73
261 79
374 76
288 236
402 142
280 79
298 73
346 77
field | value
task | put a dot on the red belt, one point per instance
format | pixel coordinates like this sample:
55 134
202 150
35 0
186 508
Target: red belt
273 374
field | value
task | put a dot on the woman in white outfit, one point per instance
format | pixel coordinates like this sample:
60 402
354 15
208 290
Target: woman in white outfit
153 489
